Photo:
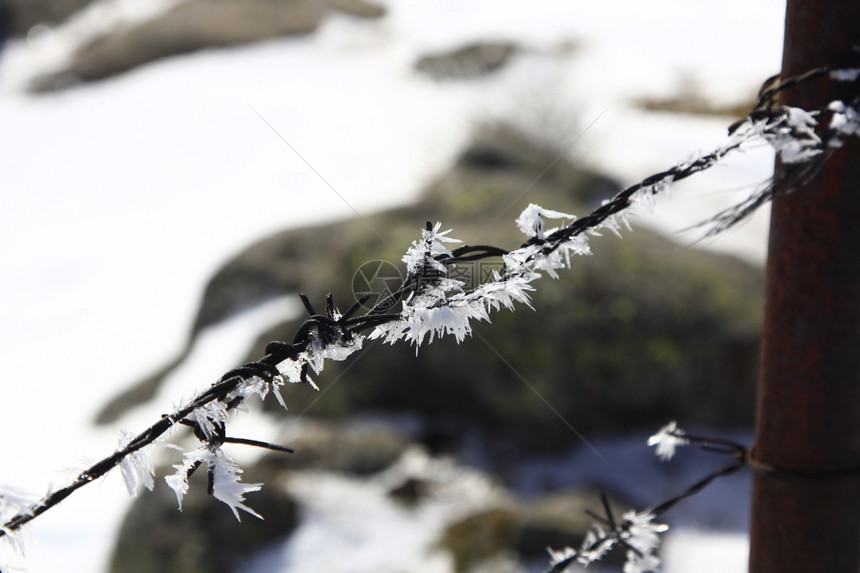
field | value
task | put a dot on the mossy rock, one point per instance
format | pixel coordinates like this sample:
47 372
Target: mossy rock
524 529
479 537
642 332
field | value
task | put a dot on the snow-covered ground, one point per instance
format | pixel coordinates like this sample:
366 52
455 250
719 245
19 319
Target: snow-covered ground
119 199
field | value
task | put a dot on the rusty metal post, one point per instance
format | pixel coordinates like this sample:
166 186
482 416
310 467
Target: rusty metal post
808 407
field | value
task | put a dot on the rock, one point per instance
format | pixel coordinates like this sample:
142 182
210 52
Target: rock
350 448
470 61
556 520
525 529
196 25
359 8
640 333
689 97
483 525
479 537
204 537
410 491
24 14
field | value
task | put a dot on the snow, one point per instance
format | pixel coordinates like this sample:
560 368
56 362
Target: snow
370 530
713 552
119 199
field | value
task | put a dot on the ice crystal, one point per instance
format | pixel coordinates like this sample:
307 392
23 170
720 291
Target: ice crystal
227 485
845 75
15 502
15 538
291 369
641 533
559 557
211 415
338 350
226 482
667 439
255 385
502 292
419 321
845 121
442 307
136 468
421 252
793 135
531 220
646 195
518 261
318 350
613 223
637 531
595 545
637 563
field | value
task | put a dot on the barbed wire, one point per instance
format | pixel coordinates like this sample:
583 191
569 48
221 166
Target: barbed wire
428 304
635 531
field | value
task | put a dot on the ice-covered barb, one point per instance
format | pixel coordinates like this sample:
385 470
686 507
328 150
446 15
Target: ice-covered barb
646 195
594 547
227 485
793 135
136 468
225 474
636 531
534 257
641 533
667 439
531 220
845 121
319 349
422 252
211 416
257 386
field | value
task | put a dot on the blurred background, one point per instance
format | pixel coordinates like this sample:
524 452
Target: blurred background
174 172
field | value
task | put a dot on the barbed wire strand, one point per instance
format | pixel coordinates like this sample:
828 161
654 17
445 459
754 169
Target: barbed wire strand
321 330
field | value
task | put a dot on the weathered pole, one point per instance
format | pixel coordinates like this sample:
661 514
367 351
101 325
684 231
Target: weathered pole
808 406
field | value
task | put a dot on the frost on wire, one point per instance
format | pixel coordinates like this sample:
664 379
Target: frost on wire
226 482
436 305
667 440
636 531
